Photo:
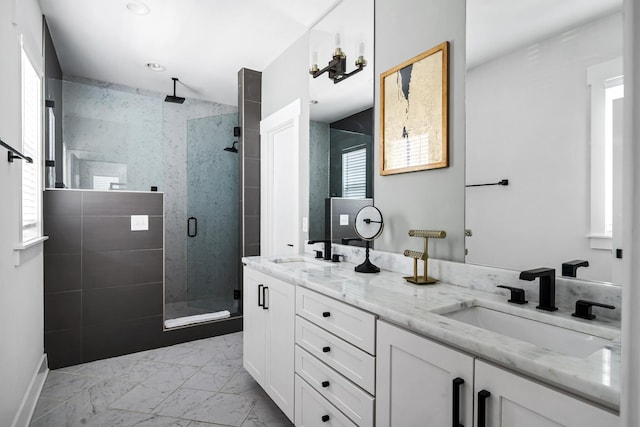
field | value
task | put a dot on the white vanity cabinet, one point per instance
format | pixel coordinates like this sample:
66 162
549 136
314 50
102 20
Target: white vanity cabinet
517 401
335 362
268 337
418 379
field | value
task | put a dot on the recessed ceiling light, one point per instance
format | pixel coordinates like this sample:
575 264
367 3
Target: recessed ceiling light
138 8
155 67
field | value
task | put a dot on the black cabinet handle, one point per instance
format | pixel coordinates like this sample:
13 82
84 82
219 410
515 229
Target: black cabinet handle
326 314
325 418
192 220
325 384
483 395
326 349
264 298
457 382
260 304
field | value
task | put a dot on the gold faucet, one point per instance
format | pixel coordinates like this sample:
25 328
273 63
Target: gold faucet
426 234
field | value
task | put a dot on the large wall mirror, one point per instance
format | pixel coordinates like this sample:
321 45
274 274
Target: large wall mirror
341 127
544 111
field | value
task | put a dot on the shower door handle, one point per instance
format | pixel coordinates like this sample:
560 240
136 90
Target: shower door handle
192 220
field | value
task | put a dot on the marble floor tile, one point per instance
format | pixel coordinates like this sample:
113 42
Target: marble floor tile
62 385
195 384
145 397
214 375
108 368
265 413
201 424
116 418
180 354
200 405
43 406
243 383
81 407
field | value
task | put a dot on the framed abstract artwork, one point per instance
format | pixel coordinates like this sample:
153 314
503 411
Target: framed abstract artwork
414 105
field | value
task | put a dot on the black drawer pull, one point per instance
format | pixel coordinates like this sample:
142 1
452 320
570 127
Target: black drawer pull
457 382
325 384
326 314
483 395
260 304
325 418
326 349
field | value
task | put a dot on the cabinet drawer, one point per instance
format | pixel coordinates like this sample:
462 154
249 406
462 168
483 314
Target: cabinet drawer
342 393
314 410
351 324
350 361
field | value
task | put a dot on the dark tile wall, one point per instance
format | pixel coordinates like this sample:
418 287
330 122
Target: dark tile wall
103 283
335 207
249 112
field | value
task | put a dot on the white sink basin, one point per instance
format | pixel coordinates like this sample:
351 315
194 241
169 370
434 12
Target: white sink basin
551 337
297 263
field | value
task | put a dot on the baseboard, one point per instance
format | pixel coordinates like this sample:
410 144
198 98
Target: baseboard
30 399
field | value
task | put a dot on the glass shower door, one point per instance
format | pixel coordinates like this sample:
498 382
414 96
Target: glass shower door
213 216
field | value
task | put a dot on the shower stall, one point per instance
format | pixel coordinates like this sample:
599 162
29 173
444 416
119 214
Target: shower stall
206 281
113 138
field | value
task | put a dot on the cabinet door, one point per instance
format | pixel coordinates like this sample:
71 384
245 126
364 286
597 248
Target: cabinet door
280 304
415 381
254 326
519 402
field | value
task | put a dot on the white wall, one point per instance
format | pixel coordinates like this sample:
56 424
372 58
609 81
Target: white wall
283 81
432 199
21 300
528 121
630 372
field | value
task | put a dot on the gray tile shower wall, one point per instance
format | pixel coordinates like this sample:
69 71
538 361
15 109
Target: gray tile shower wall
100 277
103 283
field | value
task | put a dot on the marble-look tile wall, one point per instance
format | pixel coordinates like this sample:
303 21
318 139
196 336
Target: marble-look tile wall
174 137
212 254
105 127
479 277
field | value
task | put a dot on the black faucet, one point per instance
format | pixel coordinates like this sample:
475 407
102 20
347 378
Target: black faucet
547 286
327 248
569 268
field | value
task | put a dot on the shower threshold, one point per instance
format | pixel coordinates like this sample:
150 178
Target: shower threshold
197 318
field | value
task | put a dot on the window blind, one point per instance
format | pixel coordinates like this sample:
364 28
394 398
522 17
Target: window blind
31 131
354 173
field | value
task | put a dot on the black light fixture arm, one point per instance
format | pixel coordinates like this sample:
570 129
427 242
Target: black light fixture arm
337 67
15 154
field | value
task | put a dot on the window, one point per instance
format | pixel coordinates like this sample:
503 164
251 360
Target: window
354 173
606 86
31 143
104 182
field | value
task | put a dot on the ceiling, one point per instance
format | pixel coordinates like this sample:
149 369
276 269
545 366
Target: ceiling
495 27
206 42
202 42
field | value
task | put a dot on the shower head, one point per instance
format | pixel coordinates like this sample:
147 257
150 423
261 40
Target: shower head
173 98
233 148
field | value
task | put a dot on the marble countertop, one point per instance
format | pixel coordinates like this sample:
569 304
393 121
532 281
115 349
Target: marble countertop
420 308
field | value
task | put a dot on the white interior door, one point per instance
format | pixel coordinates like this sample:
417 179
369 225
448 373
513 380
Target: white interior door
280 177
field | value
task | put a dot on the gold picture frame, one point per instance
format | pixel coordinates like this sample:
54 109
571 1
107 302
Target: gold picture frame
414 106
